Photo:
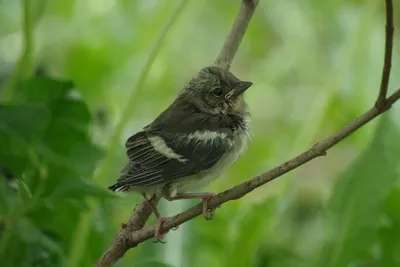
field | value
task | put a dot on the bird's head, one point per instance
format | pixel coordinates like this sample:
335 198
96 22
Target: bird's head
215 91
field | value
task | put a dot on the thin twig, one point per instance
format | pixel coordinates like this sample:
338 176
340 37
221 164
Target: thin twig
387 62
236 34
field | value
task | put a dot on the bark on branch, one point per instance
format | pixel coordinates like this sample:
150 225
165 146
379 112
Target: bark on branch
246 187
121 242
236 34
132 234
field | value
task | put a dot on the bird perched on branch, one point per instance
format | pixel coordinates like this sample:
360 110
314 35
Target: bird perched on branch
192 142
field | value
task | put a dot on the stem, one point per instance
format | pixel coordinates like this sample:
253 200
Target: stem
387 62
24 68
27 66
236 34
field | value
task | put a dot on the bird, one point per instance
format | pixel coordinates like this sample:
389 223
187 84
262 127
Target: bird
192 142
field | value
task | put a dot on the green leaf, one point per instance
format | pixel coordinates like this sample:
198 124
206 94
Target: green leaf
392 204
355 208
389 242
74 113
70 148
24 121
28 231
389 234
30 234
21 126
66 140
42 90
52 156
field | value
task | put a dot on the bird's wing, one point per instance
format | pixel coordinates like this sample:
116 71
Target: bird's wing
157 157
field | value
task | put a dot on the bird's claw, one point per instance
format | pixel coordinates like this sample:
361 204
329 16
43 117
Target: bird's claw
208 213
159 241
158 235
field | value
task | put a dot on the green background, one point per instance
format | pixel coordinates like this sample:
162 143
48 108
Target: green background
315 66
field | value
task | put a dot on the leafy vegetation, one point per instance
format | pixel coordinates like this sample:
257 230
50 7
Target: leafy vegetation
315 66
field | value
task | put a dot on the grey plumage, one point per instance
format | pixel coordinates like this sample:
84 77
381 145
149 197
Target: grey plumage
182 129
193 141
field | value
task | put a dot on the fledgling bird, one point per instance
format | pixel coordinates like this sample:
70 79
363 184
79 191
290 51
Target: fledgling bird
200 135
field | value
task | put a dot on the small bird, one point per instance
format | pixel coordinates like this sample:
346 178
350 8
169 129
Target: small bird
200 135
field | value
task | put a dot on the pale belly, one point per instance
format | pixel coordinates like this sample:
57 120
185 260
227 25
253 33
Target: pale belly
195 182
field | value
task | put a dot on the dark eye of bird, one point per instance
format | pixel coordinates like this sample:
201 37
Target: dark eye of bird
217 92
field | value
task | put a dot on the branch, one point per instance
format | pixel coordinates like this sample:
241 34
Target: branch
246 187
236 35
142 212
121 244
387 62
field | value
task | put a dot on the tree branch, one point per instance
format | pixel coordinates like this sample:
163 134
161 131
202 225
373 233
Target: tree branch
121 243
387 62
236 35
246 187
132 233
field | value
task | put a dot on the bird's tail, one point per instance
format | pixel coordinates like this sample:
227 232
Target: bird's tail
119 187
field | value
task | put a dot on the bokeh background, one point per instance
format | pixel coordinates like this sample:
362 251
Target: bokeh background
79 77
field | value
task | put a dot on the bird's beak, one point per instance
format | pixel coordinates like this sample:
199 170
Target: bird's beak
238 90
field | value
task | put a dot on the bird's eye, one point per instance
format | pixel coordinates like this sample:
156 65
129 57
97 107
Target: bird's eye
217 92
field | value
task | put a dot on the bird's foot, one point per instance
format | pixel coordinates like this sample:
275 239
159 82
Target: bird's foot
158 235
160 220
208 213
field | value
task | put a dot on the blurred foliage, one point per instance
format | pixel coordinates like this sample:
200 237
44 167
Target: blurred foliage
315 66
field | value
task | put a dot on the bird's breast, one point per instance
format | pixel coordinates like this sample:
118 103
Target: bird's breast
240 141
